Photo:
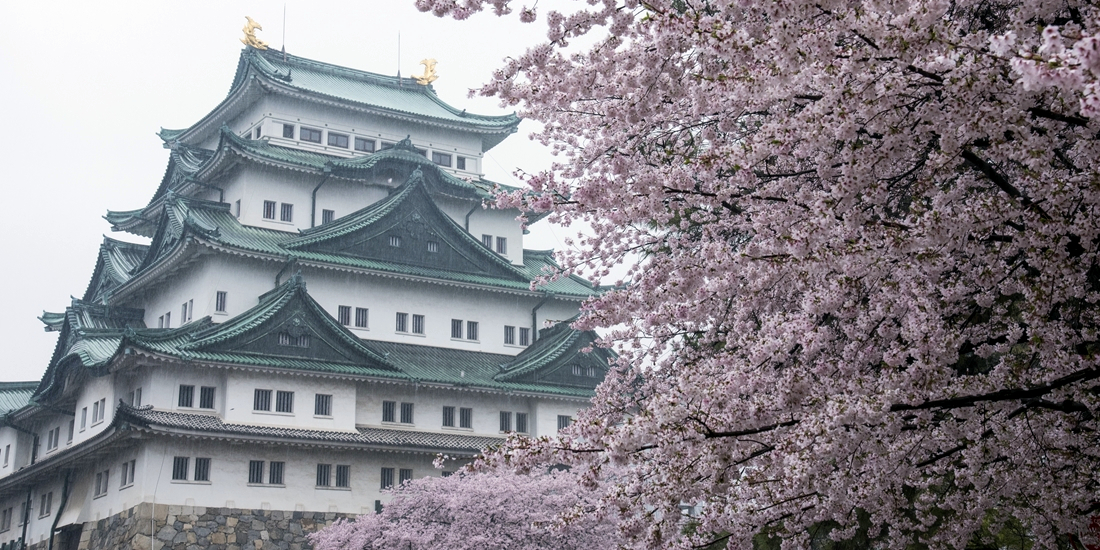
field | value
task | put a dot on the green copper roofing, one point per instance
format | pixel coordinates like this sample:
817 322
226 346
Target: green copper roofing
557 347
387 96
15 395
90 335
116 263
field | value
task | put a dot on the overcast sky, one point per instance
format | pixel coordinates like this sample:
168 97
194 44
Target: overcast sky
85 86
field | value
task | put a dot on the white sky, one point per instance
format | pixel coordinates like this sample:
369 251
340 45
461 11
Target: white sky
85 86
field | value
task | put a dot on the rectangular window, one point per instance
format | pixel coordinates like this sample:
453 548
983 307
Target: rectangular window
362 315
406 474
521 423
7 454
456 328
255 471
83 418
418 324
275 472
269 210
95 413
505 421
487 240
202 469
288 131
343 315
257 134
449 417
387 478
5 519
324 475
322 404
237 208
286 212
433 247
395 241
180 466
206 397
102 409
160 322
502 245
365 145
284 401
406 413
137 398
564 421
125 474
471 330
442 159
338 140
261 400
509 335
309 134
220 299
343 475
524 336
47 504
389 411
327 216
187 396
402 322
183 313
466 418
168 320
461 164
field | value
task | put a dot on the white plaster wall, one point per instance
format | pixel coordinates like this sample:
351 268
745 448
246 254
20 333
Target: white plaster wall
10 439
546 411
91 391
39 525
240 389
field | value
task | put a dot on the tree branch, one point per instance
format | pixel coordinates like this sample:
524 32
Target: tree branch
1003 184
1002 395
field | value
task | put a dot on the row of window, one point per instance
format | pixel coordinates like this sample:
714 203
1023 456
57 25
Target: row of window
286 211
284 402
501 242
362 144
187 396
259 472
187 311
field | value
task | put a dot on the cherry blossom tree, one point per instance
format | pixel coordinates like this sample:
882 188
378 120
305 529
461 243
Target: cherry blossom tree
479 511
861 241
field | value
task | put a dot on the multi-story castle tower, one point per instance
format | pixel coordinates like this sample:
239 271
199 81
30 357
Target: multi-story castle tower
324 304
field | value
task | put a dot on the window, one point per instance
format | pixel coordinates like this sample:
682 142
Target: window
564 421
180 466
83 418
418 324
183 313
406 413
466 418
187 396
433 247
387 478
168 320
300 341
389 411
237 208
269 210
5 519
588 372
461 164
309 134
338 140
206 397
327 216
365 145
136 401
53 438
257 134
395 241
286 212
343 315
7 454
449 417
160 322
220 298
456 328
275 472
128 473
502 245
322 404
72 431
487 240
524 336
255 471
361 317
442 159
505 421
261 400
47 503
402 322
284 401
521 423
343 475
324 475
471 330
509 335
202 469
102 409
405 474
288 131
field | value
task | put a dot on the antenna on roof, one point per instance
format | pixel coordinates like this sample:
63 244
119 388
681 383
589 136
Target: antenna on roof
284 32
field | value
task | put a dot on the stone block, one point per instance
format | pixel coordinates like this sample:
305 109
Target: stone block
264 535
230 522
174 510
258 525
166 533
187 510
200 510
217 538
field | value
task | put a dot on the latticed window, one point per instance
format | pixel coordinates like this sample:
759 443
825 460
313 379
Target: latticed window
269 210
418 324
564 421
406 413
202 470
220 299
275 472
456 328
387 478
310 134
338 140
206 397
365 145
300 341
343 475
286 212
343 315
187 396
524 336
256 471
465 417
502 245
509 335
180 466
322 405
284 401
389 411
521 423
327 216
402 322
261 400
324 475
471 330
362 316
505 421
442 159
449 417
406 474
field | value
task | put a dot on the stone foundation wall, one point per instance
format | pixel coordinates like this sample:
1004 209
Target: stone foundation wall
201 528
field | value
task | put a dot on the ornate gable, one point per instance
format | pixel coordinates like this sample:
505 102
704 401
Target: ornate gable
558 357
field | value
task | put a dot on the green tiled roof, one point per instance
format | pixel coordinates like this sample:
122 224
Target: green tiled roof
15 395
90 335
386 96
116 263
